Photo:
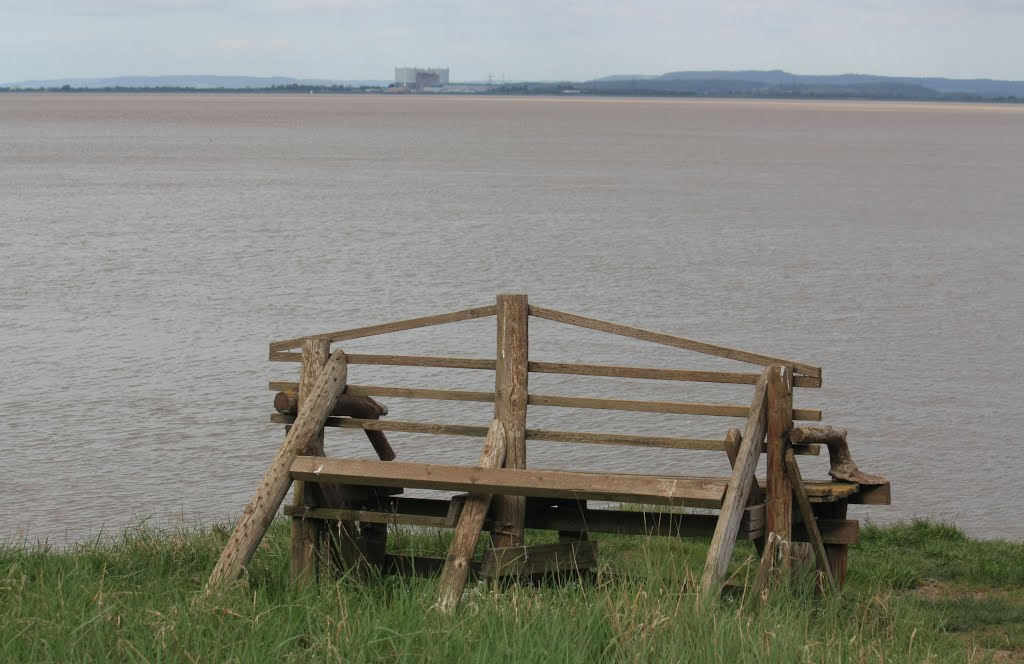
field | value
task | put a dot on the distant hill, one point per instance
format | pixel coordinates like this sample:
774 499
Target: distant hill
781 83
198 82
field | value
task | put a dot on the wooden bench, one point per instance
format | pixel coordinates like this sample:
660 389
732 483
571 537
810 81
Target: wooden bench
351 502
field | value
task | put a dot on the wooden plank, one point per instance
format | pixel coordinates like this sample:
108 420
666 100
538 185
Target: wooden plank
829 492
565 368
880 494
809 521
834 530
779 502
670 340
672 407
614 371
539 559
510 389
629 522
421 566
306 535
394 425
737 493
627 440
419 393
386 328
263 505
469 528
522 482
422 361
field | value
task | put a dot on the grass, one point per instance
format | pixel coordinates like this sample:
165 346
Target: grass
917 592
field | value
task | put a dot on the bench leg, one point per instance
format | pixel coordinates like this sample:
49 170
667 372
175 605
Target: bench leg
837 554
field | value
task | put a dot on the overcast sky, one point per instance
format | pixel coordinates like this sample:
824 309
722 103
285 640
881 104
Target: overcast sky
515 39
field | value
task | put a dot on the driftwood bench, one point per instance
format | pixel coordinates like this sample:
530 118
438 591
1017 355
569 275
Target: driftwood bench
346 505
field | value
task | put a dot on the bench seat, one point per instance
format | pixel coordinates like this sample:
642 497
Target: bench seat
690 491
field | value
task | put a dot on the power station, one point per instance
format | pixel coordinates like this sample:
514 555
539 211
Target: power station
418 78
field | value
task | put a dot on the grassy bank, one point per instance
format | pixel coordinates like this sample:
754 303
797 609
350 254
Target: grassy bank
917 593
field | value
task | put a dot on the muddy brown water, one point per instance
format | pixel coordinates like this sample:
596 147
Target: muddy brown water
152 246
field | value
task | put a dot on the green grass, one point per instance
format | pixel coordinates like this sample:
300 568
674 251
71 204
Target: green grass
918 592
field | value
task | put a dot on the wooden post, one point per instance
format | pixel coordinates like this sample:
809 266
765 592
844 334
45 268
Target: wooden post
510 396
471 521
259 513
307 533
736 493
779 504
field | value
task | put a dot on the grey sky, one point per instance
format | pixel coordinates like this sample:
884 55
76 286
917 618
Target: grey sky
528 39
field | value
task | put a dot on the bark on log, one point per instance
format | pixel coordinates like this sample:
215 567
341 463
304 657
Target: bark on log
259 513
347 405
287 403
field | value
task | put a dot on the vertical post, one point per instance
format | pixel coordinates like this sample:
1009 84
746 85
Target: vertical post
779 505
510 395
307 533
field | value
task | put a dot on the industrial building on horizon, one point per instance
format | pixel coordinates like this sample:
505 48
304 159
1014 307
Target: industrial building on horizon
419 78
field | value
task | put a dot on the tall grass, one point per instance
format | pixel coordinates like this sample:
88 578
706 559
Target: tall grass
917 592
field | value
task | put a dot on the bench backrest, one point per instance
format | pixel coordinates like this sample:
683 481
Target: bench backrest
512 367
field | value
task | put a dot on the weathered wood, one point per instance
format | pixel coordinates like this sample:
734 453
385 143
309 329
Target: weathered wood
837 552
539 559
678 408
737 493
306 534
420 393
768 555
670 340
733 438
779 491
510 389
628 522
613 371
583 437
870 495
841 464
394 425
348 405
420 566
422 361
434 513
839 530
821 435
260 511
516 481
809 521
469 528
385 328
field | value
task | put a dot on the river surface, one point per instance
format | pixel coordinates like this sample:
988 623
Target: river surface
153 245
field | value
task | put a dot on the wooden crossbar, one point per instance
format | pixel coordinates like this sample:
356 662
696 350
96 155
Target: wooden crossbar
476 431
385 328
670 340
563 368
670 407
513 481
